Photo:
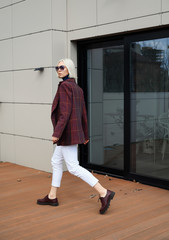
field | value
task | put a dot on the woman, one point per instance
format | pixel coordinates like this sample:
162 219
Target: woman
69 121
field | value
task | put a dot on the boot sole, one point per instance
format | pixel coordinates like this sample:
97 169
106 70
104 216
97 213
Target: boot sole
108 204
51 204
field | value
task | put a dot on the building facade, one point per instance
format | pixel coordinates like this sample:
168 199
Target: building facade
121 51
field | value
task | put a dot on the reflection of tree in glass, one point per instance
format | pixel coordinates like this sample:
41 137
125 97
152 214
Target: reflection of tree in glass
118 117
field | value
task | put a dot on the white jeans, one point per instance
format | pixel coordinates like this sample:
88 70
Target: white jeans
69 155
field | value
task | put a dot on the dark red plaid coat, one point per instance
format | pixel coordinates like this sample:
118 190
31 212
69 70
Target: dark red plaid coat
68 115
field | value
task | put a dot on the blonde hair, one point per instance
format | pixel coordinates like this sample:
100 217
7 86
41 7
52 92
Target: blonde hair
70 66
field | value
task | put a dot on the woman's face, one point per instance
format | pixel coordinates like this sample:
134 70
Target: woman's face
62 70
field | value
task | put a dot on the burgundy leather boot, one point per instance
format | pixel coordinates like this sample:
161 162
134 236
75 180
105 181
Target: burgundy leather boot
105 201
47 201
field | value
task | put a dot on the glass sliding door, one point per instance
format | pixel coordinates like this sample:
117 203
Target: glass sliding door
105 77
149 76
126 83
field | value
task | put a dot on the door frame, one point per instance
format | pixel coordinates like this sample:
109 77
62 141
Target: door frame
125 39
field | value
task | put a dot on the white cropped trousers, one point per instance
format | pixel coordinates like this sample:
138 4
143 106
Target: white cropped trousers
70 156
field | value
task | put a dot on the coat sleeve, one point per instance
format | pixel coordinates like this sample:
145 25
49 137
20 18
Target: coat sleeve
65 105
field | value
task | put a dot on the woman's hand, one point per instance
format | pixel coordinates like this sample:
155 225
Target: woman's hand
54 140
86 141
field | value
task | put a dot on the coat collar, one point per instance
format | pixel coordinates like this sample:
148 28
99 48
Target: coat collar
55 101
67 80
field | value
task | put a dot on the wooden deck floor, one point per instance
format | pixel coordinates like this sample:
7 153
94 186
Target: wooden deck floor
138 212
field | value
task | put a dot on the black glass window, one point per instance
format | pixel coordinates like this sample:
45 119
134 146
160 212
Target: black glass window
127 93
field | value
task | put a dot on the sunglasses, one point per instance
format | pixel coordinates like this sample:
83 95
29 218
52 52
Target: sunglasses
60 67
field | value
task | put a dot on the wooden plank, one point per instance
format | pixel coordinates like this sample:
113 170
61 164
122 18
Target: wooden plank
137 212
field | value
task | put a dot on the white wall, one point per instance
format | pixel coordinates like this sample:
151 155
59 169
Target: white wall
105 17
37 33
31 36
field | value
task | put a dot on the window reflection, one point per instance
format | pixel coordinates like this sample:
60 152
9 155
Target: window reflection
149 104
105 106
113 69
150 61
